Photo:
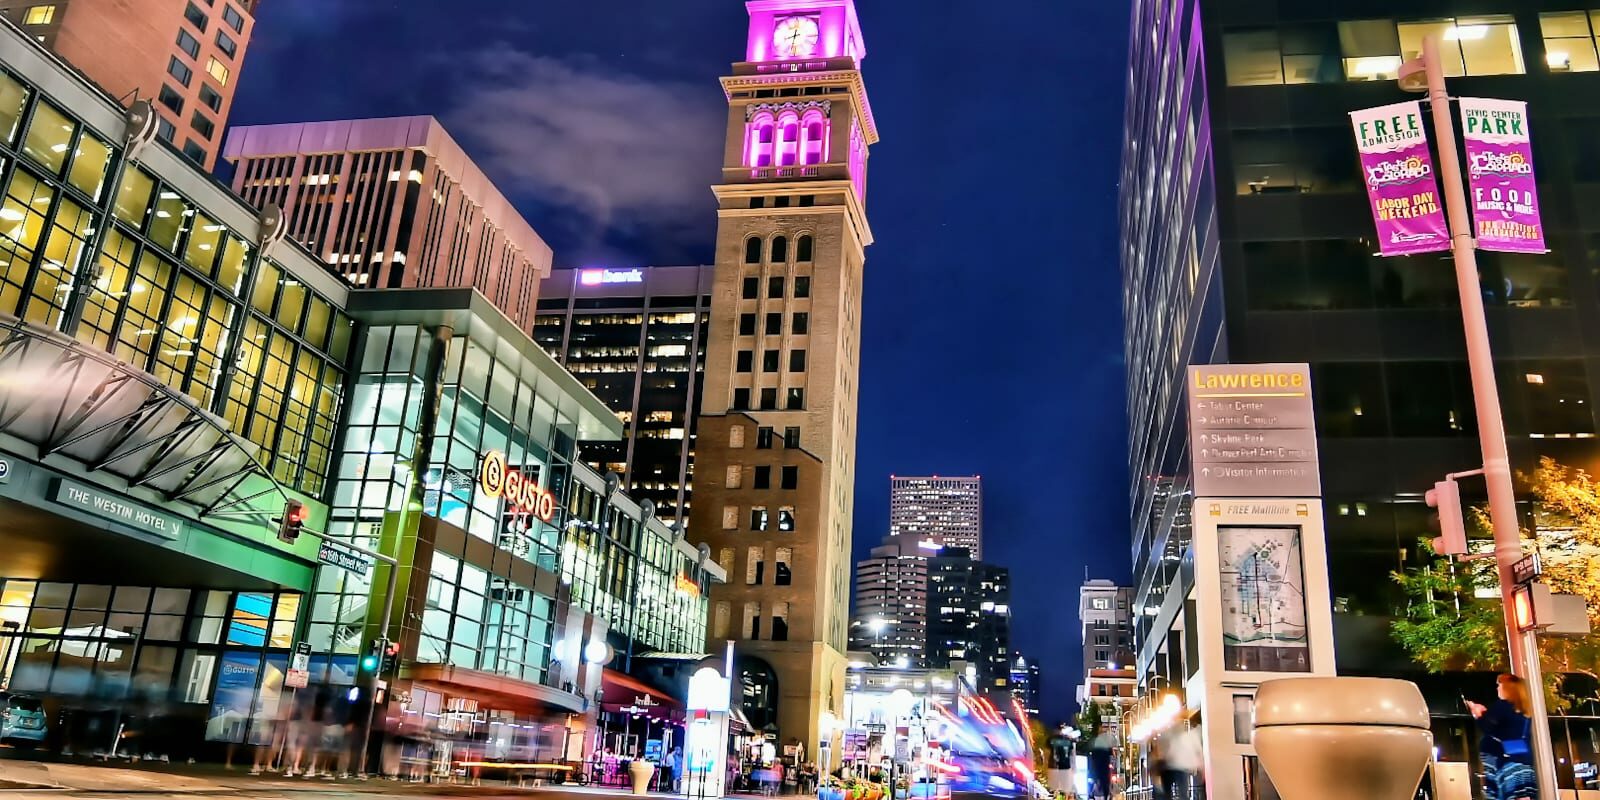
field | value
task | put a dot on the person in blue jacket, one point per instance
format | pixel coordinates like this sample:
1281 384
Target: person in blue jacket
1505 747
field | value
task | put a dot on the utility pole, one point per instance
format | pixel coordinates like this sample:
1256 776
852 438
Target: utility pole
1485 394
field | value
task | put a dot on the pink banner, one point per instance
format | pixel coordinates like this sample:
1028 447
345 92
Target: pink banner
1401 186
1505 201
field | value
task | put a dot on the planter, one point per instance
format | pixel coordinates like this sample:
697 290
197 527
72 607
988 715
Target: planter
1342 738
641 772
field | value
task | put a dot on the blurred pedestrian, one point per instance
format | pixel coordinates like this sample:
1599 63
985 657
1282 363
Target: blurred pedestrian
1102 751
1180 758
1507 755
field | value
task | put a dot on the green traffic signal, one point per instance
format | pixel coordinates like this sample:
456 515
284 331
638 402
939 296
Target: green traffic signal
369 663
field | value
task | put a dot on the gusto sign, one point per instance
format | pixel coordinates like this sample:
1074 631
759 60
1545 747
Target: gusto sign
521 492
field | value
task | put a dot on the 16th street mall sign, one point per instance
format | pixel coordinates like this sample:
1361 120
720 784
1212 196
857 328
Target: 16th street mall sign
1252 433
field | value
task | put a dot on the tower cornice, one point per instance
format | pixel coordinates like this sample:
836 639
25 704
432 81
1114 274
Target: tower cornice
853 210
848 77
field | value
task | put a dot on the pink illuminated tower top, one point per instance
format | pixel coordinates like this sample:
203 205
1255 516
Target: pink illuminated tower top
783 30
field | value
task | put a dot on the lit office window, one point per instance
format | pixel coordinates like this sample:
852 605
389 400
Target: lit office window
49 136
39 15
1468 45
13 97
1370 49
217 70
1252 58
1569 41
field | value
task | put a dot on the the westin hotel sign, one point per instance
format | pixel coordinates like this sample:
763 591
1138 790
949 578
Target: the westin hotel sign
1252 431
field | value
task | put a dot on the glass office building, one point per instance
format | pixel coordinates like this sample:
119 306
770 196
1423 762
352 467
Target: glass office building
173 372
1246 237
637 339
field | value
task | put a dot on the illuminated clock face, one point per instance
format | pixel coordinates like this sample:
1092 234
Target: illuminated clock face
795 36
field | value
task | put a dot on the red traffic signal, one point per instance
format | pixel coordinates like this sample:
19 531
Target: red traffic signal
294 518
1445 497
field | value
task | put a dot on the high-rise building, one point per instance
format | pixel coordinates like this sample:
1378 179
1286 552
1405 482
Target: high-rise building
1025 682
184 56
1246 237
393 203
636 337
1106 615
783 358
891 603
945 511
969 617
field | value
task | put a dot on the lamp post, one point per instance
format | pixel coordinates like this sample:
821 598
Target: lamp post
1427 75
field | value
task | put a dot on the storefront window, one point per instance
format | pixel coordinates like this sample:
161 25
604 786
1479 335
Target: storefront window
88 171
133 196
49 137
13 97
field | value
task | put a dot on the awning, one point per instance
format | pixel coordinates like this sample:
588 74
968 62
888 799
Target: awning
623 693
497 691
74 401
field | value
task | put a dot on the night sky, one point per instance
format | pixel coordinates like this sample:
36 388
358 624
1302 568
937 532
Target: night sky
992 340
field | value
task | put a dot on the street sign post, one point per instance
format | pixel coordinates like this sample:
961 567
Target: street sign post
335 555
1252 431
299 674
1527 569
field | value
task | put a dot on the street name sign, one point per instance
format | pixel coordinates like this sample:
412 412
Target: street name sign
335 555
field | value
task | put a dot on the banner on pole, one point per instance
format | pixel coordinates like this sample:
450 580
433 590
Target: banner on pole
1505 201
1401 185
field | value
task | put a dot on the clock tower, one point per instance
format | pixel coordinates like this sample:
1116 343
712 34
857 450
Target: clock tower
775 451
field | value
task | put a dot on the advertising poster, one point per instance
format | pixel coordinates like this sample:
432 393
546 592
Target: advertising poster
1505 201
1401 185
234 697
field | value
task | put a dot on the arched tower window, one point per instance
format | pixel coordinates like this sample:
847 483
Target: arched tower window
814 138
759 133
780 250
752 250
789 141
802 249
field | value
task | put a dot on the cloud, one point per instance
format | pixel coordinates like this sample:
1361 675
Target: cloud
625 152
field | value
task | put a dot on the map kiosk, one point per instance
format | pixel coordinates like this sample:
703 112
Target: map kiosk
1260 607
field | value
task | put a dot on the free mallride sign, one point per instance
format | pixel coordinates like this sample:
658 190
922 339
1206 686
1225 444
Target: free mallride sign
1252 431
1505 200
1401 184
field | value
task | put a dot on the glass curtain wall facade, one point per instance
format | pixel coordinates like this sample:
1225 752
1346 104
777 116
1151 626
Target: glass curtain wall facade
1247 238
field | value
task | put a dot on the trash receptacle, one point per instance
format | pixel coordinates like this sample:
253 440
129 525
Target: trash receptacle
1343 738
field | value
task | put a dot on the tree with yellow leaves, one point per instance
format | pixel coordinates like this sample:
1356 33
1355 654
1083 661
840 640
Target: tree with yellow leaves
1449 626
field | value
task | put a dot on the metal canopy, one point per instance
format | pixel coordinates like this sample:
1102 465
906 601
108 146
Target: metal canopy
71 400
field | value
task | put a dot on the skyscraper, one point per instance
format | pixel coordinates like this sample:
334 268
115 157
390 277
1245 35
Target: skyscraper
775 453
184 56
891 603
1106 616
636 337
393 203
1246 237
1025 682
945 511
969 617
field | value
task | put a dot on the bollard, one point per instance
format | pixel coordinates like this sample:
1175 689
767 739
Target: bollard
1343 738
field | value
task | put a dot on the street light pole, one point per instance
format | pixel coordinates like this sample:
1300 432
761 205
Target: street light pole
1486 397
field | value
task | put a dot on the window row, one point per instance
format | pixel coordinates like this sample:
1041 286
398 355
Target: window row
755 565
761 477
786 138
751 622
799 324
764 437
1343 274
1368 50
1541 398
761 518
784 201
794 399
778 253
744 360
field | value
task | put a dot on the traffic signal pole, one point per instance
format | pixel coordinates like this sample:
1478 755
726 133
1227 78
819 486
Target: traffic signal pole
1486 399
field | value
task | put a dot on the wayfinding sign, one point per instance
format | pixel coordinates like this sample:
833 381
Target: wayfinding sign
1252 431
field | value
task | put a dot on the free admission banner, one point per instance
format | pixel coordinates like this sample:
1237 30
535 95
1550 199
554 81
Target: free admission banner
1505 202
1400 182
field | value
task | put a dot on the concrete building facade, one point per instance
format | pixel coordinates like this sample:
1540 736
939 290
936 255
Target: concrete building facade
393 203
791 243
182 55
891 604
945 511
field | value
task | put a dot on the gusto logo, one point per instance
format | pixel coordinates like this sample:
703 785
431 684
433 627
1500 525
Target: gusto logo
522 493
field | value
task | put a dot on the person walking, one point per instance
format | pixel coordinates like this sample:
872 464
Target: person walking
1507 756
1102 751
1181 758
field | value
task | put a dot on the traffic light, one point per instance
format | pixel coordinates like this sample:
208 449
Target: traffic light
374 657
391 657
1445 497
294 518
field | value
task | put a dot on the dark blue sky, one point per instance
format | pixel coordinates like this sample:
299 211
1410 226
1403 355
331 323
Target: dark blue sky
992 339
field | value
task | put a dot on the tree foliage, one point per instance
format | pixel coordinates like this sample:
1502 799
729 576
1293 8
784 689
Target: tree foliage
1450 625
1089 720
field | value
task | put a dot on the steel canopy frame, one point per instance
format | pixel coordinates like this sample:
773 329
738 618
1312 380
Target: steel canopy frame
69 399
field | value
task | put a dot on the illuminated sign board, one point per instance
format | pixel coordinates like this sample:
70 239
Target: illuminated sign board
521 492
688 586
602 277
